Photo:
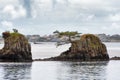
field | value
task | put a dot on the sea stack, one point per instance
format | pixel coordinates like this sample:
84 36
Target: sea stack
88 48
16 48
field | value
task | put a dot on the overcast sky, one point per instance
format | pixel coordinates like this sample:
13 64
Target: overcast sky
45 16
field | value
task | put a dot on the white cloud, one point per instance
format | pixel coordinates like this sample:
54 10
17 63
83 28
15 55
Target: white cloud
113 26
90 17
115 17
85 1
14 12
34 13
7 24
61 1
68 10
89 3
104 28
6 2
90 13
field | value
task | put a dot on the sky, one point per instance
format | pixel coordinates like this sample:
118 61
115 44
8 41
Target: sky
45 16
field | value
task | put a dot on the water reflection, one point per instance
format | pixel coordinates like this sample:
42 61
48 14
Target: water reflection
57 70
15 71
82 71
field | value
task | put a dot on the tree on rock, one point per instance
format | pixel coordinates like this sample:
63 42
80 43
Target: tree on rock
69 35
15 30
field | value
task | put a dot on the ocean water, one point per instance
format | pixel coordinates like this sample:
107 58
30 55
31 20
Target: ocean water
61 70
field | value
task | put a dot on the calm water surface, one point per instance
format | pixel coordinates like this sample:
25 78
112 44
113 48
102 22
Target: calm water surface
52 70
46 70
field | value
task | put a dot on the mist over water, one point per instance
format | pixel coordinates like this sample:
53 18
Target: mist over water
61 70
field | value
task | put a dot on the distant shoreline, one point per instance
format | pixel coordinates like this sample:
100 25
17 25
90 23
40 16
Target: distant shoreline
49 59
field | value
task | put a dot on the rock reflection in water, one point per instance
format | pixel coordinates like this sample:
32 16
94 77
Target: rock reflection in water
54 70
15 71
82 71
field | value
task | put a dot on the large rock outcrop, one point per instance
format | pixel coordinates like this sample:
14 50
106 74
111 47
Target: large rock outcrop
88 48
16 48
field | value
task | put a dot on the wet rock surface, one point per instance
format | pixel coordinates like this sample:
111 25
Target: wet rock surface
16 48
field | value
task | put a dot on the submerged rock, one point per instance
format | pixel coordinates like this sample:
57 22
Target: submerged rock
16 48
88 48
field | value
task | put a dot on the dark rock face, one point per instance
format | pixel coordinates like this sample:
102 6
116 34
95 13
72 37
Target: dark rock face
88 48
16 48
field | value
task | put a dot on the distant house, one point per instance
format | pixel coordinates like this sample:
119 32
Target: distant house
33 38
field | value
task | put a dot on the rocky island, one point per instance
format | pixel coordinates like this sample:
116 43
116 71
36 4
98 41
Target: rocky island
16 48
88 48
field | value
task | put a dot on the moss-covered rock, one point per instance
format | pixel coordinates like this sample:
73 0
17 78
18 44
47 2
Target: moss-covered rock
16 48
89 47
